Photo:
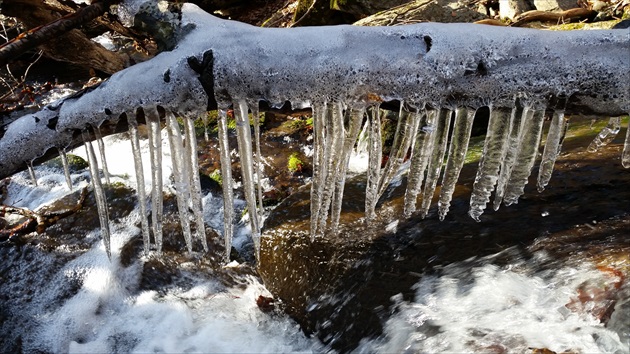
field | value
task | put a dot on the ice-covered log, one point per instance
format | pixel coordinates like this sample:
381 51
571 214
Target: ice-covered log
424 68
428 63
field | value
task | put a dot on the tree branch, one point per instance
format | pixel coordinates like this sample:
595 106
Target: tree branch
39 35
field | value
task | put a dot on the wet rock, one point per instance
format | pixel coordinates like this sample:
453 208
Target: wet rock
75 163
340 287
426 10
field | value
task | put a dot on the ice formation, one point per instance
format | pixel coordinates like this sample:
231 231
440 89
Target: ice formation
438 73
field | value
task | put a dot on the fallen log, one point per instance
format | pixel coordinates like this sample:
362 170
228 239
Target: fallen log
425 64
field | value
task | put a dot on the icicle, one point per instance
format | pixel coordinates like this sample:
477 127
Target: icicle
31 172
625 155
437 159
142 197
334 142
204 120
259 166
528 150
556 133
355 118
244 136
192 163
180 175
607 134
462 127
519 117
400 147
420 154
101 150
66 167
99 195
494 151
226 177
375 150
155 150
319 165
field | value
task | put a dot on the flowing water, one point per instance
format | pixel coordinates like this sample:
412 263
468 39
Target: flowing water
62 292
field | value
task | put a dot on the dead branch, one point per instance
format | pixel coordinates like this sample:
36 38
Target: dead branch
557 17
48 36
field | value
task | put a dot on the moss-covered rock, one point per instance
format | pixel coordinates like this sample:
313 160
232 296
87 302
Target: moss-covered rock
75 163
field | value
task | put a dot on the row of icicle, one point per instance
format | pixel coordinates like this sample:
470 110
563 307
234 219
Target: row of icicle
423 136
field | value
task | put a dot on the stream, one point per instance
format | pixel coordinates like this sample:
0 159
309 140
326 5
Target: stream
498 286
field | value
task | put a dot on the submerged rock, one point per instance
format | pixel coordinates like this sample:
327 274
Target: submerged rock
341 287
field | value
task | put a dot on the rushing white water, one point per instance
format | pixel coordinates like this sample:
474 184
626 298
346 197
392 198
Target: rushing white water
476 306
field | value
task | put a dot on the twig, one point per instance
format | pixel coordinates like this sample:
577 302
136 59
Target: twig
39 35
305 14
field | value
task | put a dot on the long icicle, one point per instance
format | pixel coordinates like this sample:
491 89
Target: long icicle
99 195
31 172
528 150
462 127
101 150
155 151
66 167
182 192
556 133
259 166
437 159
520 116
140 184
606 135
400 147
420 155
334 143
244 136
355 120
625 155
375 157
319 167
192 163
494 152
226 178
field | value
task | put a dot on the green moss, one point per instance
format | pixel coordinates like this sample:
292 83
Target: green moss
216 176
337 4
569 26
295 163
301 8
75 163
475 149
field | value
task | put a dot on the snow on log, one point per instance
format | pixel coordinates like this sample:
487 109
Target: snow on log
435 69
